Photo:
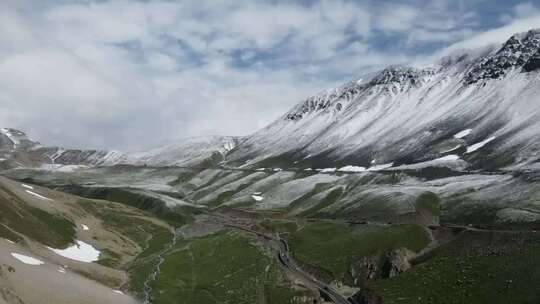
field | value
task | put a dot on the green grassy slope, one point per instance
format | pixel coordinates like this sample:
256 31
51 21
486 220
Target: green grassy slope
476 268
333 247
20 219
220 268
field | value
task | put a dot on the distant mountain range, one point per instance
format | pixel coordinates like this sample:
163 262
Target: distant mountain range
17 150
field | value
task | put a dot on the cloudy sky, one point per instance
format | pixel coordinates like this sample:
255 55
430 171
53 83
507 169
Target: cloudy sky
134 74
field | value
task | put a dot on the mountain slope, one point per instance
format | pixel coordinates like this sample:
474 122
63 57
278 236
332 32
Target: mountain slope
190 151
67 249
406 115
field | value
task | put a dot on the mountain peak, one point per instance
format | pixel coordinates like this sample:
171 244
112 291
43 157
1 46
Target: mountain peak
331 99
14 139
521 51
401 75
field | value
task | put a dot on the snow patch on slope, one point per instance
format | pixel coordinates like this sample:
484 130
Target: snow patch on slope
38 195
380 167
453 161
479 145
451 149
463 133
80 251
27 259
257 198
352 169
327 170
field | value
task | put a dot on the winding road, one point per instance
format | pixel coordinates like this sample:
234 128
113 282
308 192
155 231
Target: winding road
284 257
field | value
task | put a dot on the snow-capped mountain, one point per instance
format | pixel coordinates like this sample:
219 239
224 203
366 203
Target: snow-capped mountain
13 147
13 139
188 152
481 107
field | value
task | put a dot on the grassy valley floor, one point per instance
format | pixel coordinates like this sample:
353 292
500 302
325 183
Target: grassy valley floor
226 267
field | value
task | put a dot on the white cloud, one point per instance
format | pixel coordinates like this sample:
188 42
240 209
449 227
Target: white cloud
526 9
427 22
496 35
423 35
399 18
105 73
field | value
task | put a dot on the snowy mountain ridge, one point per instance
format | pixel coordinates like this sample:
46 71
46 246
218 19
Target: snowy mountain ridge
520 51
394 79
405 115
189 151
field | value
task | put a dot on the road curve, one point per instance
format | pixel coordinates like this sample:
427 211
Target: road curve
285 259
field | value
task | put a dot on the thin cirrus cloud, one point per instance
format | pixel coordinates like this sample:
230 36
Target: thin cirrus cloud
133 74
